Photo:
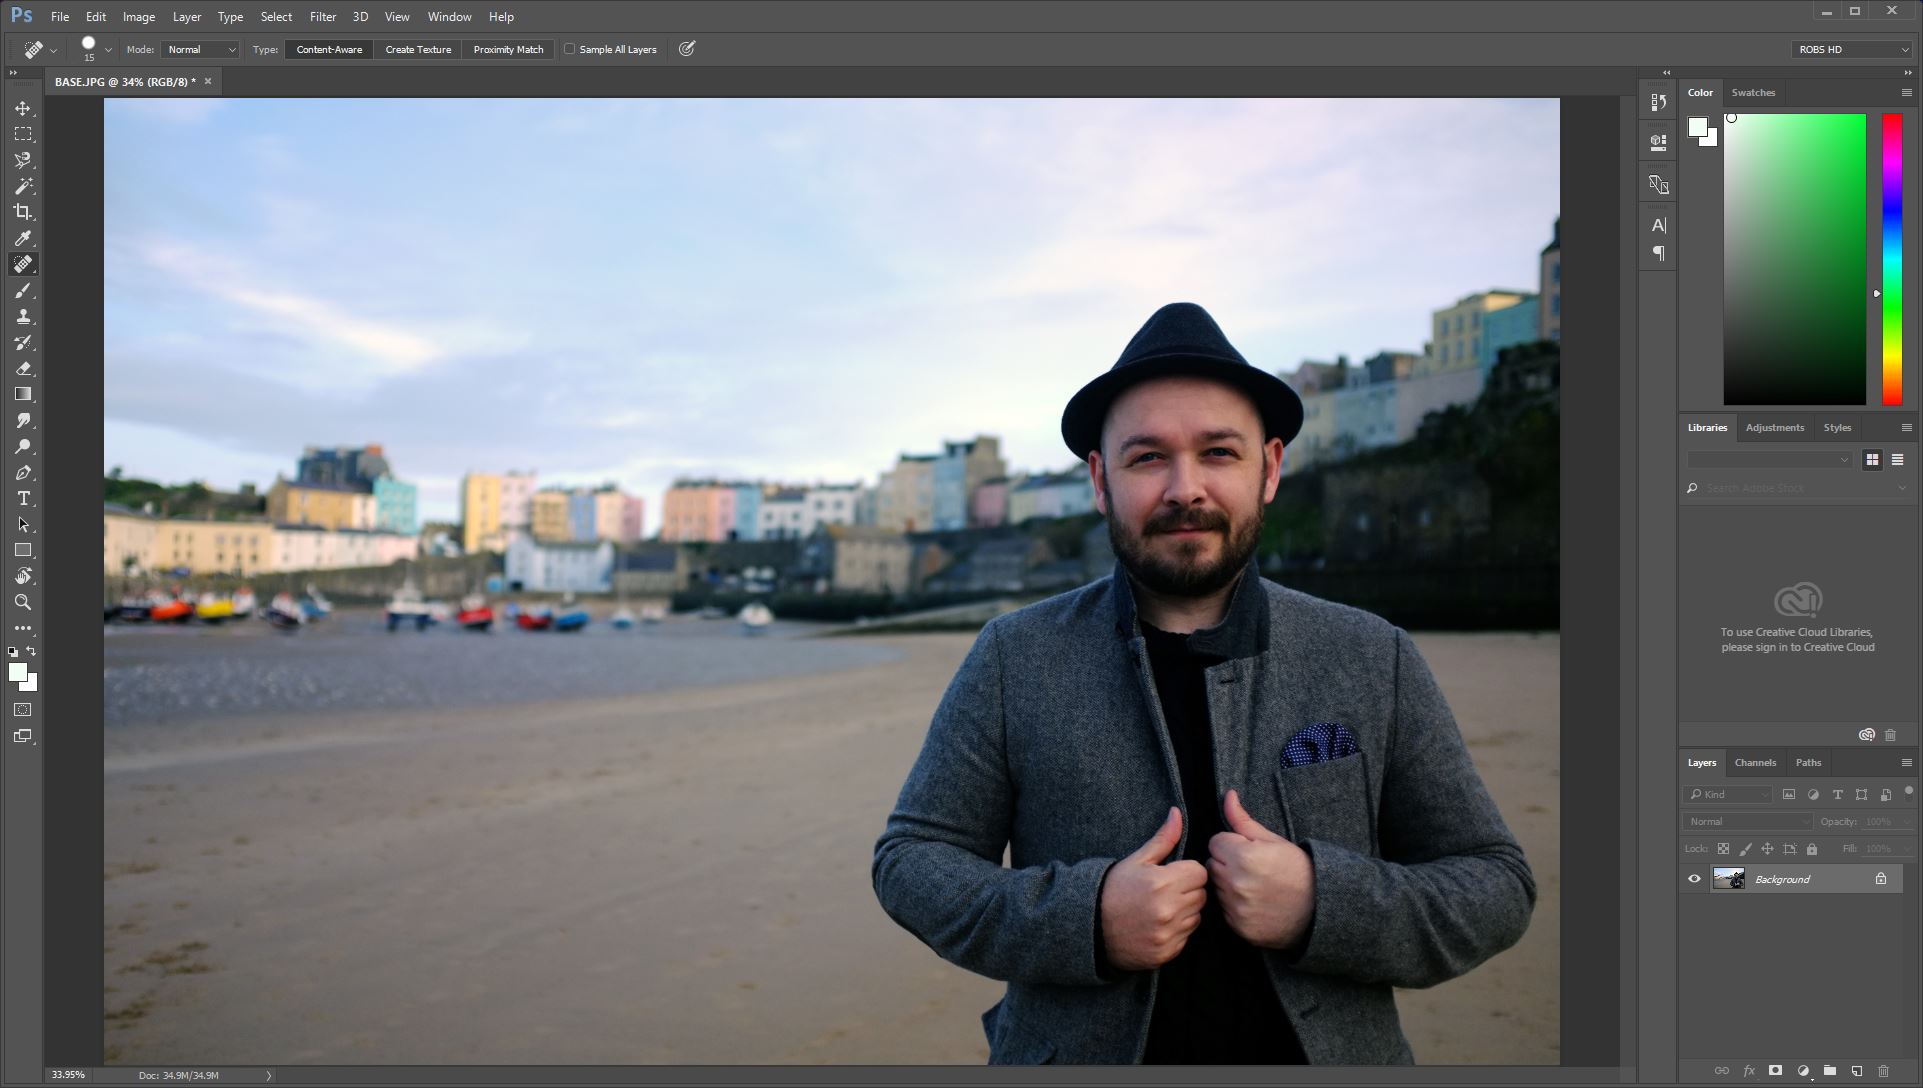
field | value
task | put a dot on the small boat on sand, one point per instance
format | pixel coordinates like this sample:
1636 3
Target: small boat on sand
283 612
172 610
313 606
475 615
755 618
407 608
214 610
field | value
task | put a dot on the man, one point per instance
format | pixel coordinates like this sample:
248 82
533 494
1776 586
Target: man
1236 815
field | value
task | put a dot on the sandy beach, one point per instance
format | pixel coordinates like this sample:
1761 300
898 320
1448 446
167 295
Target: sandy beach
674 876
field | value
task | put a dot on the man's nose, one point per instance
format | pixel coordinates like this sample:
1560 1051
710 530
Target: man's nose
1184 483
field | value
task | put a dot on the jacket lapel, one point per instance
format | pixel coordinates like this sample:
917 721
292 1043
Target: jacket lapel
1243 638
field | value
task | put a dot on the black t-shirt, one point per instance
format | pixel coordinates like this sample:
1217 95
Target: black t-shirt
1214 1003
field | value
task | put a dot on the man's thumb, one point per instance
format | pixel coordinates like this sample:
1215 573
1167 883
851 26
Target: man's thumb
1161 844
1244 824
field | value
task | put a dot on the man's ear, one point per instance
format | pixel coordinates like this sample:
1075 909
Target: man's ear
1095 479
1272 469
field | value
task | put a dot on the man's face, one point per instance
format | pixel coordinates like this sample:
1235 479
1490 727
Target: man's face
1183 475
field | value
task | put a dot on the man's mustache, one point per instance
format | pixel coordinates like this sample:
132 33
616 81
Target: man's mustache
1187 519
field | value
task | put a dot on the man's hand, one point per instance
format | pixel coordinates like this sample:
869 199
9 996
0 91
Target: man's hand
1149 909
1265 883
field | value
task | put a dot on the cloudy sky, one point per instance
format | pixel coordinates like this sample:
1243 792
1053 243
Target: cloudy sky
800 290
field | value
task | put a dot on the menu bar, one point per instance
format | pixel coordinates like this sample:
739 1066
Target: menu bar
305 17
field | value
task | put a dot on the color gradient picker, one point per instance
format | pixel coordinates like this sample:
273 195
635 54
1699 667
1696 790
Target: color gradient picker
1796 261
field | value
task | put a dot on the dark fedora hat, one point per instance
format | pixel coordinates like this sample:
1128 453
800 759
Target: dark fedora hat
1180 339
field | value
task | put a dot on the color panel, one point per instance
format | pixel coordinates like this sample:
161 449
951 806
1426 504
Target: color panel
1795 258
1893 259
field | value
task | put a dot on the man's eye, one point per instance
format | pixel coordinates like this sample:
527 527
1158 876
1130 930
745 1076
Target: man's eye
1223 449
1143 457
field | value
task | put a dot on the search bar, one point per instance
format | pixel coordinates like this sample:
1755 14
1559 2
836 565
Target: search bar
1729 795
1768 459
1696 486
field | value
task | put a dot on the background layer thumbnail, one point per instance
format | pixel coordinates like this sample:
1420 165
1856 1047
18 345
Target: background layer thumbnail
1795 239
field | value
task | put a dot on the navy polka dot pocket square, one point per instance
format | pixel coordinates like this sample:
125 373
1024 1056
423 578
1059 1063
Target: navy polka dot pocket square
1319 742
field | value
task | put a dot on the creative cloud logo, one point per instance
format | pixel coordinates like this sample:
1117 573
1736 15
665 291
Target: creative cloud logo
1803 599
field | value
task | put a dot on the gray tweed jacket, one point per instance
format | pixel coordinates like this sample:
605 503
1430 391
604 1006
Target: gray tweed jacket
1050 742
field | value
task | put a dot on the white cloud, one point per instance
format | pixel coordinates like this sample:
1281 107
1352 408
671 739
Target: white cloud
225 280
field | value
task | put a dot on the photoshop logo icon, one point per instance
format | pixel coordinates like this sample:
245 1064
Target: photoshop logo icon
1803 599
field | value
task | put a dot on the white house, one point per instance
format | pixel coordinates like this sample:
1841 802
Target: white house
585 566
784 515
829 506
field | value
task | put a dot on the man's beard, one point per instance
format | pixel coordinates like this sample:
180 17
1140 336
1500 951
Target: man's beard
1186 577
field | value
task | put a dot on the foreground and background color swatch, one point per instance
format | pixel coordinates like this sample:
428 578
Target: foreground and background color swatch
1795 243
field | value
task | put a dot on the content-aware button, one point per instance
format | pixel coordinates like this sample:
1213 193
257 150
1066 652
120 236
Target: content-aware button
329 49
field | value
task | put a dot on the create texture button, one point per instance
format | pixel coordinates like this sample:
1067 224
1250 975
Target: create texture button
431 49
